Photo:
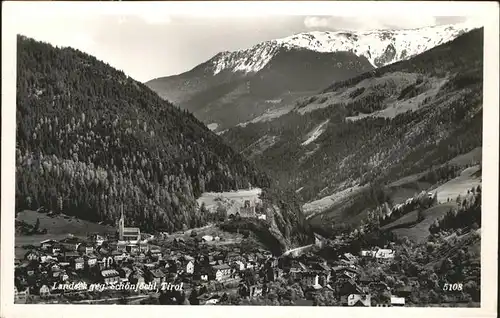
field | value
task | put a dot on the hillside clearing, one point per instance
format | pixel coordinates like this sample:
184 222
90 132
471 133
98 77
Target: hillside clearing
472 157
315 133
231 201
420 231
317 206
63 224
460 185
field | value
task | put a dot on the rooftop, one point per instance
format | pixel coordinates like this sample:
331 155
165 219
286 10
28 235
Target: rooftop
109 272
222 266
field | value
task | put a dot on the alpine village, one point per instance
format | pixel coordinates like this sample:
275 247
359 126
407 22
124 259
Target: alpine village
319 178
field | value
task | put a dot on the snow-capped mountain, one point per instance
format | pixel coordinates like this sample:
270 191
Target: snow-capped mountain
380 47
236 87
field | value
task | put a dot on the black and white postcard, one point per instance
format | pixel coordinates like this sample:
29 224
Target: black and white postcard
295 158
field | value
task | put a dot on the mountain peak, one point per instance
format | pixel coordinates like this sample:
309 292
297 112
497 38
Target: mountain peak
380 47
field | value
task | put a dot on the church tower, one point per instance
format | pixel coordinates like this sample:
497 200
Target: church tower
121 224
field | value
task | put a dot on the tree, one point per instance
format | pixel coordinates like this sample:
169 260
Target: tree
37 225
420 215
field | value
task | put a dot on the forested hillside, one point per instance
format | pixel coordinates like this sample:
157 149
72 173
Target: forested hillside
90 138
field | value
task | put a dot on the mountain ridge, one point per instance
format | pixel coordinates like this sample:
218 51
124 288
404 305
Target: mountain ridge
223 73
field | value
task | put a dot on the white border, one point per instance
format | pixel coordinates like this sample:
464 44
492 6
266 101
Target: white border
487 11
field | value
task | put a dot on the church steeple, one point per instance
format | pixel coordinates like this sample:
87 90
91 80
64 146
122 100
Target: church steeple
121 223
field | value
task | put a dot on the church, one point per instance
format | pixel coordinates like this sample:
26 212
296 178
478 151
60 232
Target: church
128 234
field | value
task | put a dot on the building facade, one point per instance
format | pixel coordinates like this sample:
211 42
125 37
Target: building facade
129 234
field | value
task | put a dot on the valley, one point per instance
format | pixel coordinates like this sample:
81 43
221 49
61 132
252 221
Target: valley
311 168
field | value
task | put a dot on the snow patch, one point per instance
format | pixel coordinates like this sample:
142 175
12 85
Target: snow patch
315 133
212 126
379 47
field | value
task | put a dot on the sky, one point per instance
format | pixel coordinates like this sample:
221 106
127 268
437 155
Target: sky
152 43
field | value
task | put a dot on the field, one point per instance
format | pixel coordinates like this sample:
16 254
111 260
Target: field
400 192
63 224
58 227
314 207
472 157
469 178
227 238
231 201
420 231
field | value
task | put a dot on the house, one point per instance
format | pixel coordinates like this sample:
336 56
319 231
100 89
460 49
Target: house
110 276
324 272
207 299
378 286
56 274
44 291
108 261
70 256
239 265
256 290
132 249
63 276
32 256
351 259
348 287
118 256
45 258
156 276
143 247
121 246
233 256
71 243
362 300
79 263
207 238
97 239
309 278
55 267
140 258
85 248
125 272
273 262
384 254
344 272
47 245
221 272
367 253
366 280
397 301
155 252
20 296
190 267
90 260
248 210
404 291
136 277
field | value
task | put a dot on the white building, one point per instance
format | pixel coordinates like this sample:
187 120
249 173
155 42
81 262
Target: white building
359 300
397 301
190 267
207 238
384 253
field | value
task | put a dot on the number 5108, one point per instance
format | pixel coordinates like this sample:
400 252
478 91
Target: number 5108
453 287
